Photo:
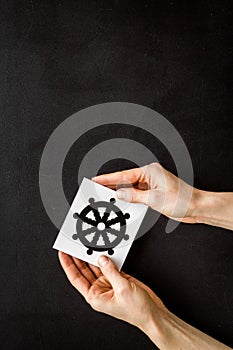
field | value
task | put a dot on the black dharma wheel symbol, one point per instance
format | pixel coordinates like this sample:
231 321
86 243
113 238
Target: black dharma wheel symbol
104 231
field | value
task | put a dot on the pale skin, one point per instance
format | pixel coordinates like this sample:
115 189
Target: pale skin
122 296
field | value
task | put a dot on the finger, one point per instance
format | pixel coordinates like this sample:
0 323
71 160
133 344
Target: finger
73 274
133 195
111 272
120 177
84 269
96 270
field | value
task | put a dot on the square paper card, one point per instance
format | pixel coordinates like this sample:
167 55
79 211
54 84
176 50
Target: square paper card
99 224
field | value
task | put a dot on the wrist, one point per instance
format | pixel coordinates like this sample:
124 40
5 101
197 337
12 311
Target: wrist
168 332
204 203
212 208
156 327
197 205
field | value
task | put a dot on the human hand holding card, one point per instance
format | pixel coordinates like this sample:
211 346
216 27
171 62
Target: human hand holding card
99 224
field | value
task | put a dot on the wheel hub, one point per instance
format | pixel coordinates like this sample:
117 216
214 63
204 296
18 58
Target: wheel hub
101 226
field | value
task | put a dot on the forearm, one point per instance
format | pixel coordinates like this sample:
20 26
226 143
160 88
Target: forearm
171 333
213 208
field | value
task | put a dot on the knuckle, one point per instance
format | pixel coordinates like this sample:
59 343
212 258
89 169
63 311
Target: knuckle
123 289
123 178
156 165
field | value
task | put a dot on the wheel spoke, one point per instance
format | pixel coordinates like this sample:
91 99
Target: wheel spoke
113 231
112 221
95 238
97 215
105 216
87 220
89 231
105 238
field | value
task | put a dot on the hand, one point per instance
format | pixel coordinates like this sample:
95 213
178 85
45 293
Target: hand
162 191
156 187
112 292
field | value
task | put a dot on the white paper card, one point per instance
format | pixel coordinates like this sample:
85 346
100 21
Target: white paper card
98 223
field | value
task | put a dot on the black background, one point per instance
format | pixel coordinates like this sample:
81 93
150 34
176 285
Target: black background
58 57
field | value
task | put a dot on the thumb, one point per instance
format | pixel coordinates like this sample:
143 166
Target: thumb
111 272
133 195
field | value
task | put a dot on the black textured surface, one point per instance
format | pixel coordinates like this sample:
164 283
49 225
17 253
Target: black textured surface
58 57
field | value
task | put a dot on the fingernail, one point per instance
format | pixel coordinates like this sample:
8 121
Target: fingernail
121 194
93 178
103 260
